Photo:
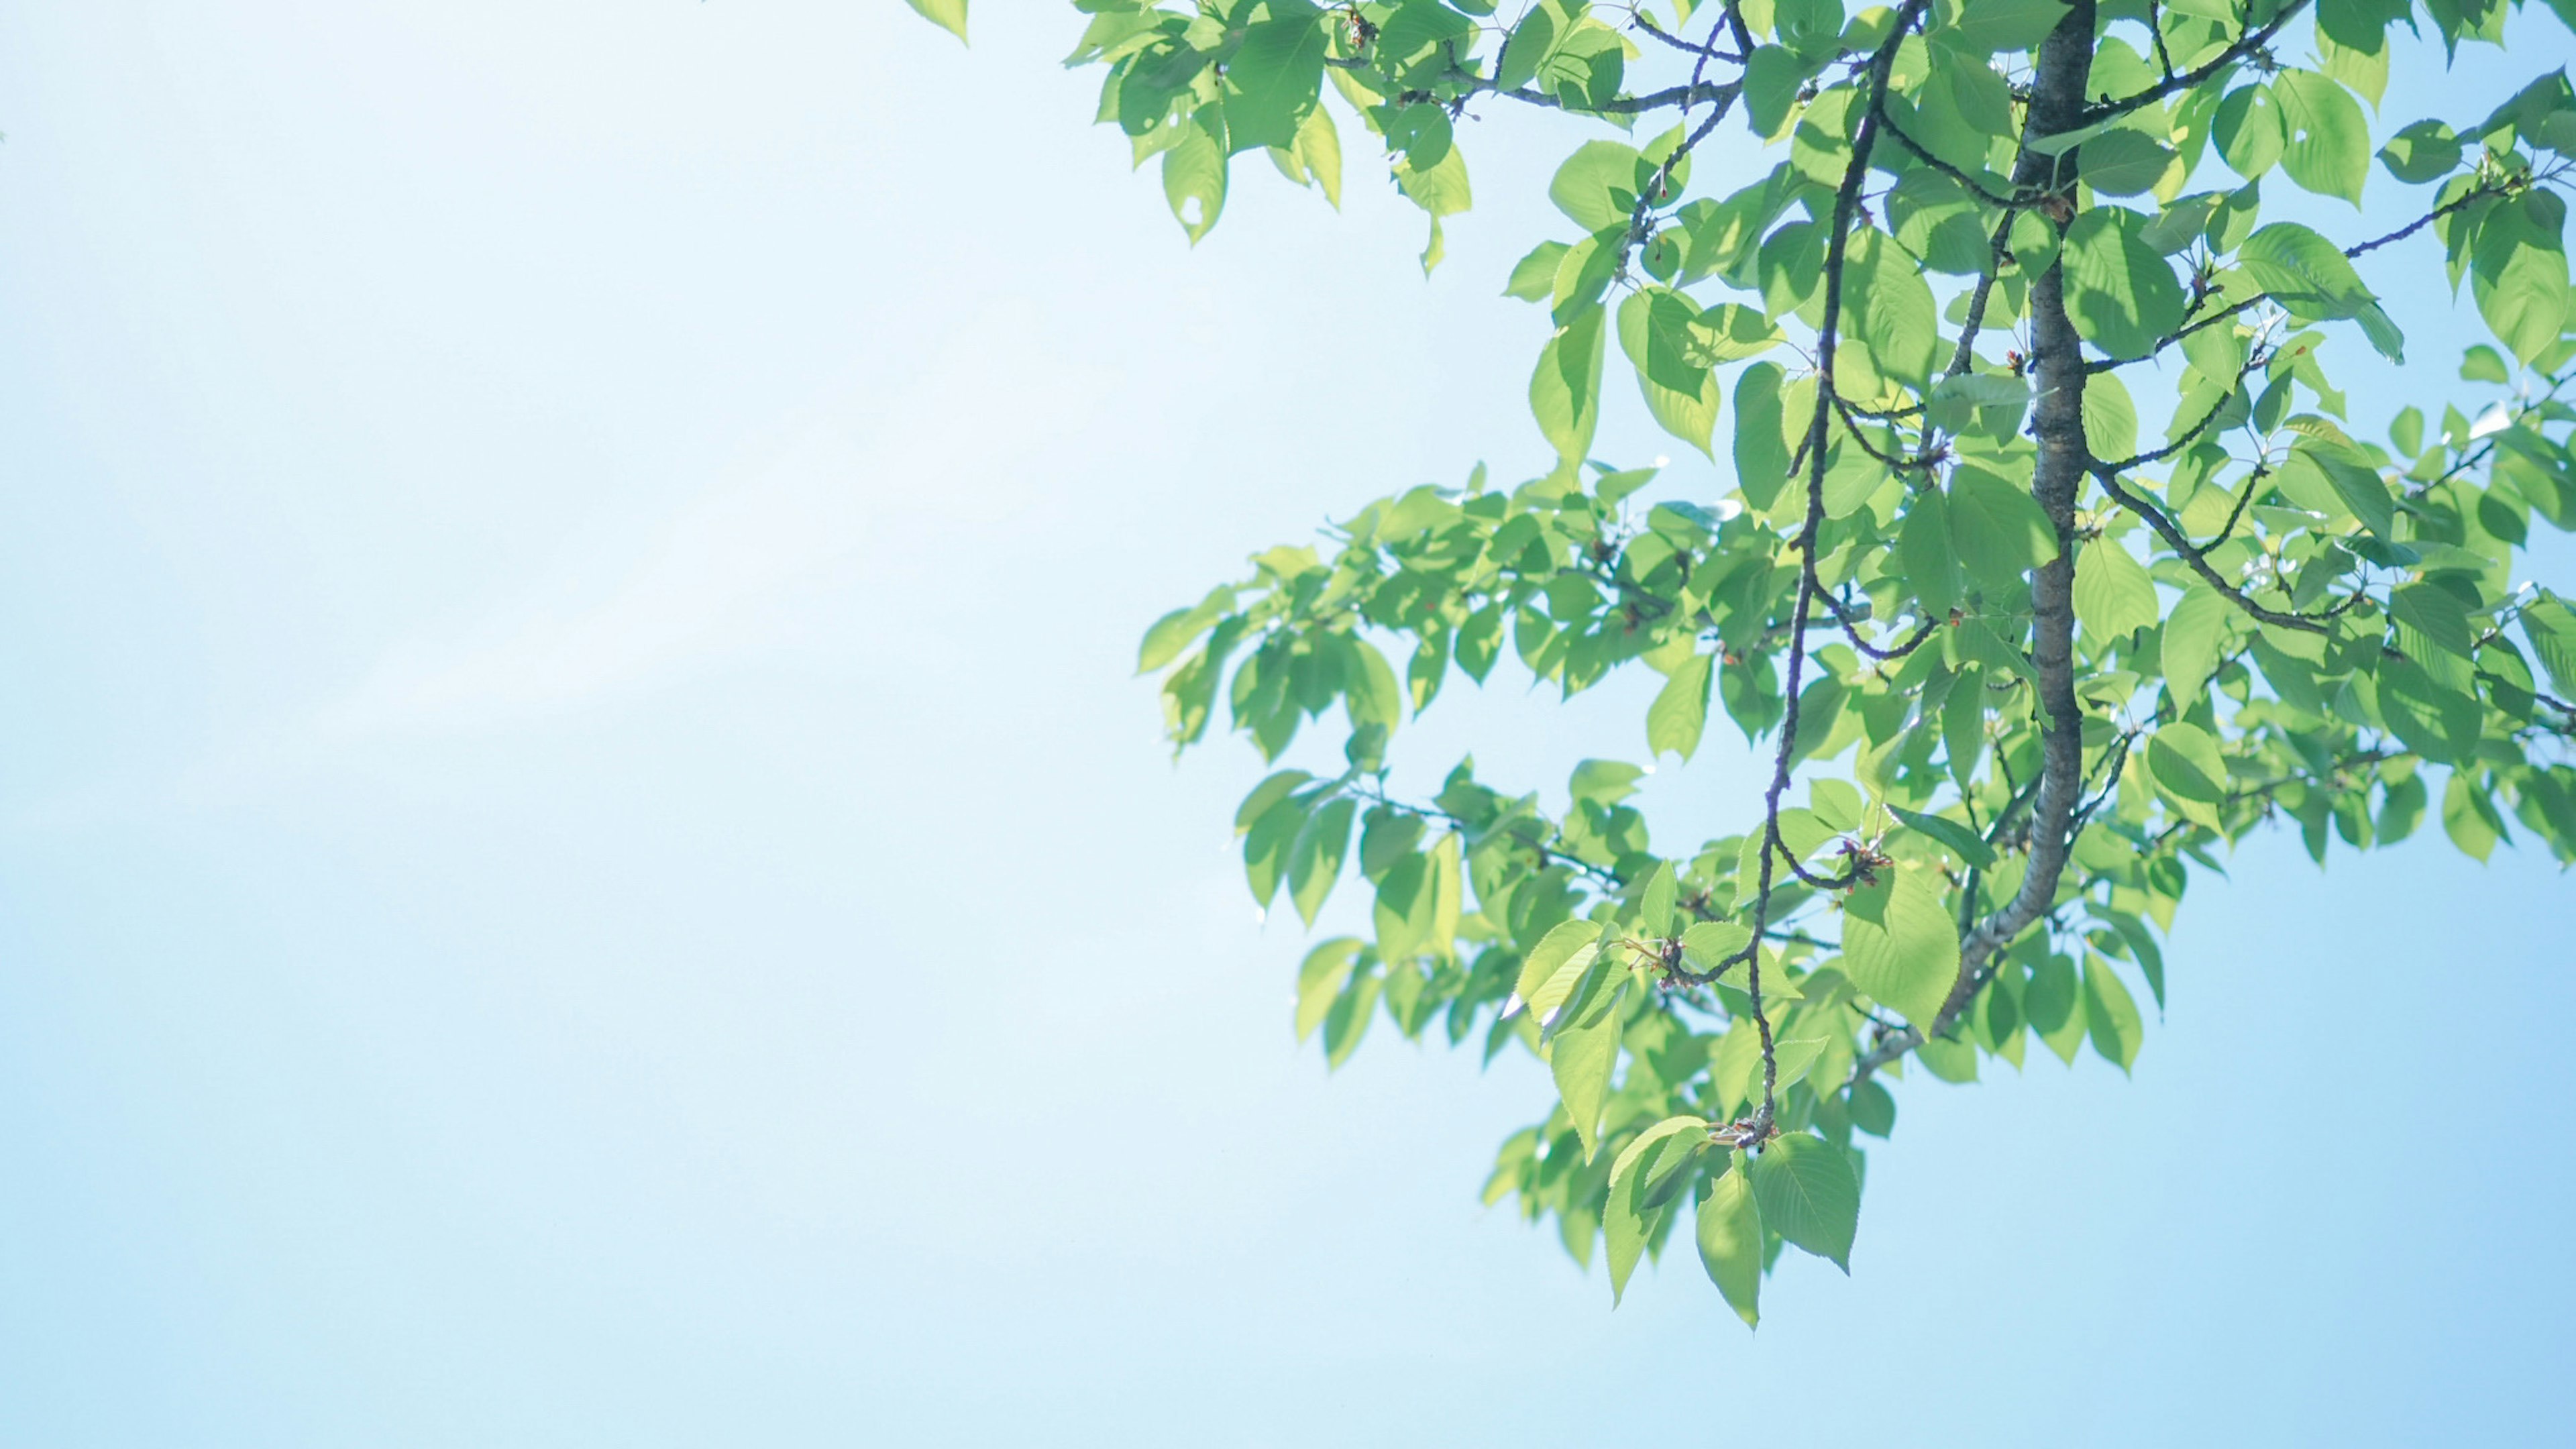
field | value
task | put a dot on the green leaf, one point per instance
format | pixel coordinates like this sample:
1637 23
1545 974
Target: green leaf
2189 771
1655 907
1581 1058
2196 637
1987 26
1274 78
2124 162
2180 223
1929 567
2551 627
1534 276
1174 632
1981 98
2328 150
1771 81
1529 44
2112 1014
1659 330
1730 1243
1761 455
1899 943
1643 1148
1605 782
2054 1003
2110 418
1347 1019
1962 841
2468 819
1892 308
1707 943
2249 131
2521 285
1808 1195
948 15
1315 861
2113 594
1565 391
1407 903
1639 1189
1268 840
1447 894
1550 956
2360 68
1809 27
2435 615
1320 979
2430 717
2425 151
1194 175
1598 185
1387 837
2353 480
2304 272
1440 190
1675 721
1999 530
2120 293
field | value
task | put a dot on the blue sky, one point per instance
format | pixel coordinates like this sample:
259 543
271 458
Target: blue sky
580 862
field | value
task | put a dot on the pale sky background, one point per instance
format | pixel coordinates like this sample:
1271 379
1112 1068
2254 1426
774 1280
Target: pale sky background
580 863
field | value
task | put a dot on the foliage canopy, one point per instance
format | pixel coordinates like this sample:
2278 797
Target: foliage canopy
2021 664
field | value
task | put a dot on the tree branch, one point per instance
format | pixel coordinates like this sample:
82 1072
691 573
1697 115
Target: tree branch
2246 44
2198 558
2056 106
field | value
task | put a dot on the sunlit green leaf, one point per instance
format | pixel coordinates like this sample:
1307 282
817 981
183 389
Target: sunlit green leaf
1808 1195
1730 1243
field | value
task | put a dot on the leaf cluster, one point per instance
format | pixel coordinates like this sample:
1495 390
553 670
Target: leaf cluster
2027 655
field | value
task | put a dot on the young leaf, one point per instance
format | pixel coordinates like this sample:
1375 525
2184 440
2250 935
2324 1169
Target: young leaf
1272 81
2425 151
1320 979
2248 130
1580 1058
1962 841
2120 293
1315 861
2189 770
1679 714
1998 529
1899 943
2112 1014
1706 943
1655 906
2196 635
2328 150
948 15
1552 955
1565 391
2113 595
1730 1243
1808 1195
1194 176
2551 627
2304 272
2468 819
1598 185
1985 27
